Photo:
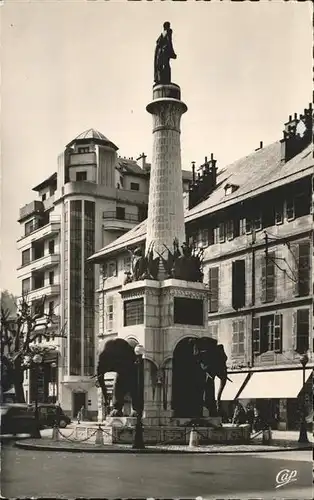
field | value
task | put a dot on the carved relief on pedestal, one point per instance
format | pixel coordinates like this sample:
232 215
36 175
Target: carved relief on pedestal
167 115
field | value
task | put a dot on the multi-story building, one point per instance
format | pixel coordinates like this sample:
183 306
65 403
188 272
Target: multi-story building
93 198
254 220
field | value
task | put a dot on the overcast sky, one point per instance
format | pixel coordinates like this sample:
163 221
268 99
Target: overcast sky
71 65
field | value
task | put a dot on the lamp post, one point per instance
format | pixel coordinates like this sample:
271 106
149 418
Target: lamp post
37 359
138 437
53 373
303 432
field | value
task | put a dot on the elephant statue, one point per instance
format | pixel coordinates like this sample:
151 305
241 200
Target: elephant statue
118 356
212 360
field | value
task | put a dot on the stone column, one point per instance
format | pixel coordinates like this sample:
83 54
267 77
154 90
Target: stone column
165 211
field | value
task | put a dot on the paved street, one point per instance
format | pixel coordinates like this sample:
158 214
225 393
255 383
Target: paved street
68 475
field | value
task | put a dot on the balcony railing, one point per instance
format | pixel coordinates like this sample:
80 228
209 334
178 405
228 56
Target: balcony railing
127 217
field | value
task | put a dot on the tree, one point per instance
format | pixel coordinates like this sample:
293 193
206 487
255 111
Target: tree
8 302
18 336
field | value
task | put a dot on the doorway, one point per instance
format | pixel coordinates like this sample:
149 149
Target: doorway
78 400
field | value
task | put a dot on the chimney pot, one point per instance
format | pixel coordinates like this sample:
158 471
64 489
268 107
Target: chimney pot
310 105
295 116
261 144
205 159
290 118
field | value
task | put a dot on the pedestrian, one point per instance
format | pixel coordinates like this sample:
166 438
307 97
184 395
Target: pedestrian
80 415
239 415
250 416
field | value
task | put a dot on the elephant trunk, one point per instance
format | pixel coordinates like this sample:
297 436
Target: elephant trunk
223 381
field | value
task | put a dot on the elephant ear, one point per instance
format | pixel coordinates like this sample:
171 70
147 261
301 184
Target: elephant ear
221 353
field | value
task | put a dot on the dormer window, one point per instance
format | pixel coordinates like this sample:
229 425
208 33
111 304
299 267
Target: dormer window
230 188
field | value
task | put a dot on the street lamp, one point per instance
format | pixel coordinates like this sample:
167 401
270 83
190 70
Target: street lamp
303 432
37 359
53 366
138 437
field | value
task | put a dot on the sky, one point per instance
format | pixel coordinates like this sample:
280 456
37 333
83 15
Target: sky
70 65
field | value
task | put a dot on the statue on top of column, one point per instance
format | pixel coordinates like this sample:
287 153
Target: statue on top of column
163 53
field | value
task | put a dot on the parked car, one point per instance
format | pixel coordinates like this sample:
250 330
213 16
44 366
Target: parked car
17 419
50 414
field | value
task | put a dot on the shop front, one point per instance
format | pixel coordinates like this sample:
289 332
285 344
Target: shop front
279 395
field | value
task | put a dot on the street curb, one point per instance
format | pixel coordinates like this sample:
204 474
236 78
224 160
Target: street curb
109 449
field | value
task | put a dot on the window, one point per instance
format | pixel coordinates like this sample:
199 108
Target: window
135 186
127 263
38 307
31 226
230 230
142 213
238 284
38 250
290 209
51 246
222 232
120 213
202 236
301 331
267 333
257 222
81 176
213 281
43 196
268 277
26 257
211 236
242 227
279 214
109 313
111 269
51 277
134 312
26 285
248 226
238 337
51 307
188 311
38 281
83 150
301 253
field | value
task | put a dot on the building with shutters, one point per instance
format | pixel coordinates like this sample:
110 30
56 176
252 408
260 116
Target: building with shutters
254 220
93 198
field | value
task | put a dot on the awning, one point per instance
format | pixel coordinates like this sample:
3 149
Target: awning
275 384
231 388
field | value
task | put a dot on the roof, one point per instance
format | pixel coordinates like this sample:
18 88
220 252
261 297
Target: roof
254 174
93 135
52 179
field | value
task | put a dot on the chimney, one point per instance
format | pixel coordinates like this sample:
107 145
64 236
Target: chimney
260 146
142 157
293 142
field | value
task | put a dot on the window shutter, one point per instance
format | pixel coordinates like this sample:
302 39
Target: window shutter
213 289
278 333
304 268
294 249
238 284
294 330
302 330
256 336
263 279
235 335
270 277
210 236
